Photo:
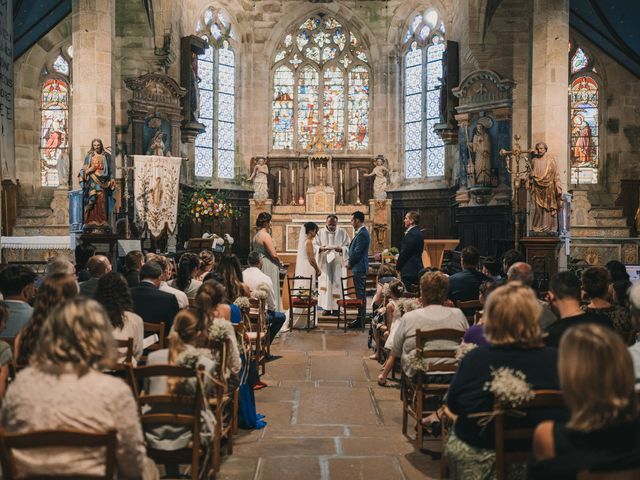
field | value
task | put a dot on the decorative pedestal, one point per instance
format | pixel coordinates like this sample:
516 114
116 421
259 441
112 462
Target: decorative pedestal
542 255
105 244
380 214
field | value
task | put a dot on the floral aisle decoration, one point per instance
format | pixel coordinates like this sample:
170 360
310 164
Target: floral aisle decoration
406 305
242 303
218 330
190 359
463 349
509 387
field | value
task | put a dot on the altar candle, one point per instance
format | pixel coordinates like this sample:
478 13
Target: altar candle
340 177
279 177
358 177
292 176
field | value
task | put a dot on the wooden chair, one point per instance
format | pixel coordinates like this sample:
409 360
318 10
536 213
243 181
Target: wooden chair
222 401
153 329
349 301
259 334
301 298
56 438
619 475
417 389
467 306
519 439
178 411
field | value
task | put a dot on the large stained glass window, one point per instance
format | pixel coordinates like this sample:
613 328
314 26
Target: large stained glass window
54 125
215 148
321 83
584 120
424 49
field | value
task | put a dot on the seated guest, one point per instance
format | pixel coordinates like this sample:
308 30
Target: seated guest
465 285
55 289
386 273
515 336
83 252
509 258
634 307
189 333
523 273
185 280
181 297
475 334
153 305
64 389
98 266
595 284
492 268
207 262
433 316
133 262
253 277
59 265
385 332
230 271
115 297
17 284
5 352
603 432
619 292
564 298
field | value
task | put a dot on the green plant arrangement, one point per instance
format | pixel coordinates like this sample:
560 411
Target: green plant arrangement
201 205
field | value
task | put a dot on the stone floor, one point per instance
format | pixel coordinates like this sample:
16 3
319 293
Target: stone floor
327 417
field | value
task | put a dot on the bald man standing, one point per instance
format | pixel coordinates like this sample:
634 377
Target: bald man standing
98 266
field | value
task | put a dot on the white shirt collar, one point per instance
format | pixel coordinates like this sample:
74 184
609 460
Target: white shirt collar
407 230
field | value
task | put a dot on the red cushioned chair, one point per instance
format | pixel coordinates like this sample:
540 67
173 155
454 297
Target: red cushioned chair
302 297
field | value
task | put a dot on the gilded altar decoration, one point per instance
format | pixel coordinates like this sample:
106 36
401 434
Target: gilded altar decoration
156 192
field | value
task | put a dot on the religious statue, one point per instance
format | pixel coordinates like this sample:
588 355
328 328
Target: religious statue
381 172
157 146
259 176
545 189
481 146
194 91
98 184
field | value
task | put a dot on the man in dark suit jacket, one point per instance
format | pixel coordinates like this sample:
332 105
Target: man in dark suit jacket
152 304
133 262
410 258
465 285
359 263
98 266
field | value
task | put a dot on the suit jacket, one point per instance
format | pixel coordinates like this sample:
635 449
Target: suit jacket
359 251
133 278
465 285
88 289
410 258
154 305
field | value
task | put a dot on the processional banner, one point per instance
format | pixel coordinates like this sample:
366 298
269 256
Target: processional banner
156 190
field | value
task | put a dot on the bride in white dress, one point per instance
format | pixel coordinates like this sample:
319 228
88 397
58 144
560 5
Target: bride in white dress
306 266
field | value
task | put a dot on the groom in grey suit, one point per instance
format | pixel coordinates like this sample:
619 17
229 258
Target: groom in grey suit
359 263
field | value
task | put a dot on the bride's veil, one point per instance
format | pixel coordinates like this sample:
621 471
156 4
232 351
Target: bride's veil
301 253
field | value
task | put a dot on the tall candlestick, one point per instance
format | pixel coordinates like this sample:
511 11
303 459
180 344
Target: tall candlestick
357 187
280 187
341 188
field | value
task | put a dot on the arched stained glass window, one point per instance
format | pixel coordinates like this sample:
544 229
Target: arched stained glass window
54 126
321 81
584 119
215 148
424 48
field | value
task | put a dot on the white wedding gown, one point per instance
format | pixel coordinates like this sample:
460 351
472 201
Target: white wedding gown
303 269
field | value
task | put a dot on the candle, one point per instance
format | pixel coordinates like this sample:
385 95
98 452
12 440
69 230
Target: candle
340 177
358 177
279 177
292 176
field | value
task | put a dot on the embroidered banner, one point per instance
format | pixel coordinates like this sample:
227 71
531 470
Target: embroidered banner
156 190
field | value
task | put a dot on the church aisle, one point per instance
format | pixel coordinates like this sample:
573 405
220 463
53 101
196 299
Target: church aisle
327 417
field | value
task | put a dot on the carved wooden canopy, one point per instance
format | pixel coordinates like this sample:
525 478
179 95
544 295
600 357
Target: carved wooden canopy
484 88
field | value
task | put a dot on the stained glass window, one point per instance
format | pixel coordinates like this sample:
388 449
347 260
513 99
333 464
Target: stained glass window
584 117
423 147
54 131
321 81
216 70
61 66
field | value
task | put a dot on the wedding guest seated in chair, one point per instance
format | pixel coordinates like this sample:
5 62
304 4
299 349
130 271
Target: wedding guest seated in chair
63 389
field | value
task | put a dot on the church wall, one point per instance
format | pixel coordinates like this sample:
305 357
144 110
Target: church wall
619 125
28 71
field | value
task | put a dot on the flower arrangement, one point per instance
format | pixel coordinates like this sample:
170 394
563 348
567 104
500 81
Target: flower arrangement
390 255
463 349
416 363
306 294
407 305
188 358
242 303
218 330
204 204
259 294
509 387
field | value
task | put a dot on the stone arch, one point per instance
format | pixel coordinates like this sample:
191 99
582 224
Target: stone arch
404 14
28 79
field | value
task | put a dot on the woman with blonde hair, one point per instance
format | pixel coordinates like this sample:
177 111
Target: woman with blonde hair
63 389
603 432
55 289
513 330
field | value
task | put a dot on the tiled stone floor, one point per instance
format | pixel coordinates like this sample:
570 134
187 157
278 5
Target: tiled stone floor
327 417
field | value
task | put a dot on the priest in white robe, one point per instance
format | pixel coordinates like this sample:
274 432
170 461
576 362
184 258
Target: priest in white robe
332 247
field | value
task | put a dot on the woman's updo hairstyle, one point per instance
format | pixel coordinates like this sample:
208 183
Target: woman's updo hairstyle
263 219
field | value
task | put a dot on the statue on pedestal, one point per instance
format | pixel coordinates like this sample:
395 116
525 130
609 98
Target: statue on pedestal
259 176
381 172
97 183
546 191
481 146
157 146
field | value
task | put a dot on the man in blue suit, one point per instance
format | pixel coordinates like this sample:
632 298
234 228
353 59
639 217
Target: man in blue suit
410 258
359 263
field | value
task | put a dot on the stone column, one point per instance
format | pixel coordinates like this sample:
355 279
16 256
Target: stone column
93 26
550 76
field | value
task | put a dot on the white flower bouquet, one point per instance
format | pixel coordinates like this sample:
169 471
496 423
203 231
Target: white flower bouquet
407 305
463 349
416 362
242 303
259 294
509 387
218 330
